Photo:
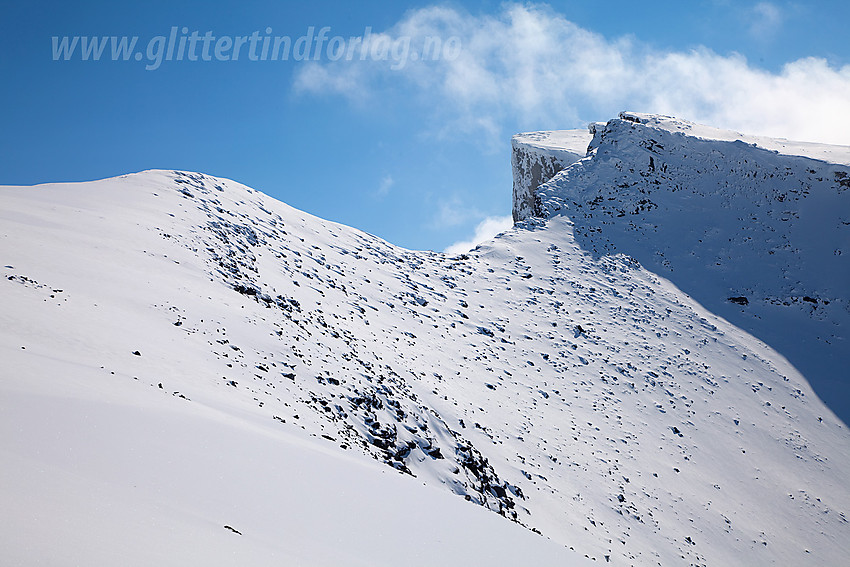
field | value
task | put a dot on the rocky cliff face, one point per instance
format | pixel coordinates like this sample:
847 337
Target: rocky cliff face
536 157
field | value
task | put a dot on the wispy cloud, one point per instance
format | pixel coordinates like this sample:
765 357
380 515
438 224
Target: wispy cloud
384 186
766 20
453 212
486 230
336 79
530 64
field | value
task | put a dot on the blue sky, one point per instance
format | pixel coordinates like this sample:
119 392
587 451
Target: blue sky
417 153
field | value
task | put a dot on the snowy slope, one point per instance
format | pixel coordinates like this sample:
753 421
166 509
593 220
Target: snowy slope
182 353
755 229
146 405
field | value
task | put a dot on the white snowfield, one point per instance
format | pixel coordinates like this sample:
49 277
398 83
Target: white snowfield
195 373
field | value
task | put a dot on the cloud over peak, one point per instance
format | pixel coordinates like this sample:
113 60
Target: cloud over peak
530 65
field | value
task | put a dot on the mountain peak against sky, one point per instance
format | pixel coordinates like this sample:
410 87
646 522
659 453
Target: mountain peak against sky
756 229
192 367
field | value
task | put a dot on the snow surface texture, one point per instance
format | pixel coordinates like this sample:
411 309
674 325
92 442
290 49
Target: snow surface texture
195 373
757 230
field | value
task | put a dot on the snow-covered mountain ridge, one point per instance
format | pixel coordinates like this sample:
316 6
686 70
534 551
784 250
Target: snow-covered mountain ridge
574 392
755 229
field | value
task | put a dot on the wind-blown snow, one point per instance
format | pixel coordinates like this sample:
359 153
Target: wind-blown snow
823 152
183 353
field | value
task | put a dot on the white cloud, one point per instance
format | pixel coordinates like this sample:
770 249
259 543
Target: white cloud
486 230
530 65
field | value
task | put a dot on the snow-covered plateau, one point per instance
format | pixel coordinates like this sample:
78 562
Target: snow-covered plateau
195 373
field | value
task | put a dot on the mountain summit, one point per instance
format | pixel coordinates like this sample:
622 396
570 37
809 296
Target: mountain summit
195 372
755 229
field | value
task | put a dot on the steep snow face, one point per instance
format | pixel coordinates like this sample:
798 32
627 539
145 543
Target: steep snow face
755 229
536 157
169 315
